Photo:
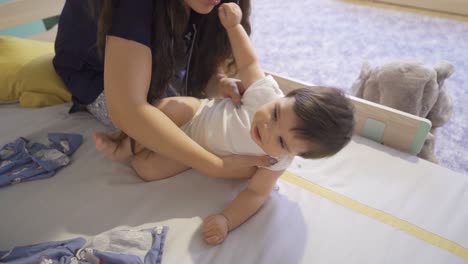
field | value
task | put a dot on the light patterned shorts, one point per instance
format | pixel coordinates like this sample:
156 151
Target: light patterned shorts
99 110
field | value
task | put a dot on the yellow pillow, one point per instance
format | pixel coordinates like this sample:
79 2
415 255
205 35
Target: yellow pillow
27 74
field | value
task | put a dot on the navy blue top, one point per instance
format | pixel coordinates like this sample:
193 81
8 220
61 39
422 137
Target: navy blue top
77 61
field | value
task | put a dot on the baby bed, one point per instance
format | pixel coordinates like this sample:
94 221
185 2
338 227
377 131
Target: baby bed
374 202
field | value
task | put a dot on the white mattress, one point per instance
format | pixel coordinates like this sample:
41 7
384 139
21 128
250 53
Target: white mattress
368 204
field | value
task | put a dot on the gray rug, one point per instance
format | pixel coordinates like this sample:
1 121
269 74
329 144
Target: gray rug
326 41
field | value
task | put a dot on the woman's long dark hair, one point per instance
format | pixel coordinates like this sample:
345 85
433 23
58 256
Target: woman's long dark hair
211 50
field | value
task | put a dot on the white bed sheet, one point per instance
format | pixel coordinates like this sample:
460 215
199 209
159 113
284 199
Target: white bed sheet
93 195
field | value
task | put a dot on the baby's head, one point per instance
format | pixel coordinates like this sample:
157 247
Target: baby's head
309 122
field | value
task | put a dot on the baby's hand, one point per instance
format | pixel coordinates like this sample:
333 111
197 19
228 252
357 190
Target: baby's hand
215 229
230 15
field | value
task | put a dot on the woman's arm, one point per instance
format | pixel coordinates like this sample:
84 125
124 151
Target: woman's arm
245 205
127 75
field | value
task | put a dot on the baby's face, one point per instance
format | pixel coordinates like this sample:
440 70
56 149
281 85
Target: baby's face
272 127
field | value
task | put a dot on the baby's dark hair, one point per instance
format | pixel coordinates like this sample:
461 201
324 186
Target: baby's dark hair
327 117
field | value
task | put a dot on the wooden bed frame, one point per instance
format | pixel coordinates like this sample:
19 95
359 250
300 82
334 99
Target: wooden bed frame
388 126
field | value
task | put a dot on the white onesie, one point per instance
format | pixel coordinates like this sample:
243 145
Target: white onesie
221 128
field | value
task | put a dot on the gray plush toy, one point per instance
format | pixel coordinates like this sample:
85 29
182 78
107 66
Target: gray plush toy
410 87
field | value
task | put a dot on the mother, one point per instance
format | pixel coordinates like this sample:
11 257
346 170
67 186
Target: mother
119 56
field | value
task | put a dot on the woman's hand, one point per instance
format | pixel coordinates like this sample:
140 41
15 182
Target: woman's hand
232 88
215 229
222 86
230 15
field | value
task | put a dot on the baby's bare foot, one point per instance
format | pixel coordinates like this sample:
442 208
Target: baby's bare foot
112 149
104 144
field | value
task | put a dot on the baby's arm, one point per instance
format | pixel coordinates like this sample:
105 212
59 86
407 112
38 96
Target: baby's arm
248 67
245 205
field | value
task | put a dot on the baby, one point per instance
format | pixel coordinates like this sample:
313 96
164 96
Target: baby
308 122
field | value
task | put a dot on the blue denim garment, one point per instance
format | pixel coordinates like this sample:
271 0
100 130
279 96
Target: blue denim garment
23 160
77 251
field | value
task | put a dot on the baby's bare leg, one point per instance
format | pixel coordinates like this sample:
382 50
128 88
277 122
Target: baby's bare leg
151 166
112 147
179 109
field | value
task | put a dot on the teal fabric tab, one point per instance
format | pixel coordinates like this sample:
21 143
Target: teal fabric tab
24 30
420 137
374 130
